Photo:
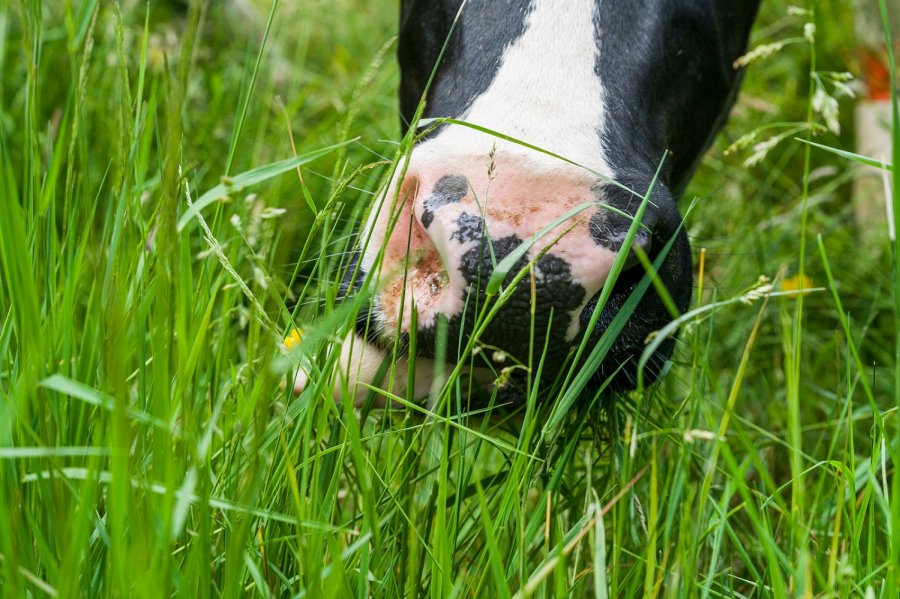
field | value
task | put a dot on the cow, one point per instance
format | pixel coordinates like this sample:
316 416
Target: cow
535 110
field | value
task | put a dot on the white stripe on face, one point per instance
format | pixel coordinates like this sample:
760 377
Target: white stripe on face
547 92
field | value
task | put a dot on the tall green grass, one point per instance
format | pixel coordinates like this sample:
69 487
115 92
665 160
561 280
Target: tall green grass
178 190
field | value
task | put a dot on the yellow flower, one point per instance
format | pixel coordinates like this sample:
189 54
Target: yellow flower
293 338
795 284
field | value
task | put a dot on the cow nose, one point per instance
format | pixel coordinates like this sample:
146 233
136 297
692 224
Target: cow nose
471 225
474 228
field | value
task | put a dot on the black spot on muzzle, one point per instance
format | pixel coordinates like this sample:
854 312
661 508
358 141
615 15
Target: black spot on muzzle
449 189
469 227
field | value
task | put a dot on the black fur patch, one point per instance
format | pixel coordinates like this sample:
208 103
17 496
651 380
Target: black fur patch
669 66
474 52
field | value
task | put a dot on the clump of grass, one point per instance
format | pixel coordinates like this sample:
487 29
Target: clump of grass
149 439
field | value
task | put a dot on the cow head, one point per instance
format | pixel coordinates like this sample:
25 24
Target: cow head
574 104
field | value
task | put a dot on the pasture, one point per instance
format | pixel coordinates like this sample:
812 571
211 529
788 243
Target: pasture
179 184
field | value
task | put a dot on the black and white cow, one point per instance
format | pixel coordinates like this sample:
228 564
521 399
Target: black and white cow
610 85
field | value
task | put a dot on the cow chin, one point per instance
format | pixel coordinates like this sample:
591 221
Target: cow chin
371 370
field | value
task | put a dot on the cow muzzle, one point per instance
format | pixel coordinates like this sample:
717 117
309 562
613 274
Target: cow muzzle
447 226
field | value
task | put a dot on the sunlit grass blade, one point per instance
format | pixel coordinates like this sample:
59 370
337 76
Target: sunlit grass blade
851 156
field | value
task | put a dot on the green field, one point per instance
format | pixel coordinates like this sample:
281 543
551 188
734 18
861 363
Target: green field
150 441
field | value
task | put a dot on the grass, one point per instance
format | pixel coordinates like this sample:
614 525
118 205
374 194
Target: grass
149 441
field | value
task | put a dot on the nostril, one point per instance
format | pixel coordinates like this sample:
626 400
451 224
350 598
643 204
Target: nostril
643 240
